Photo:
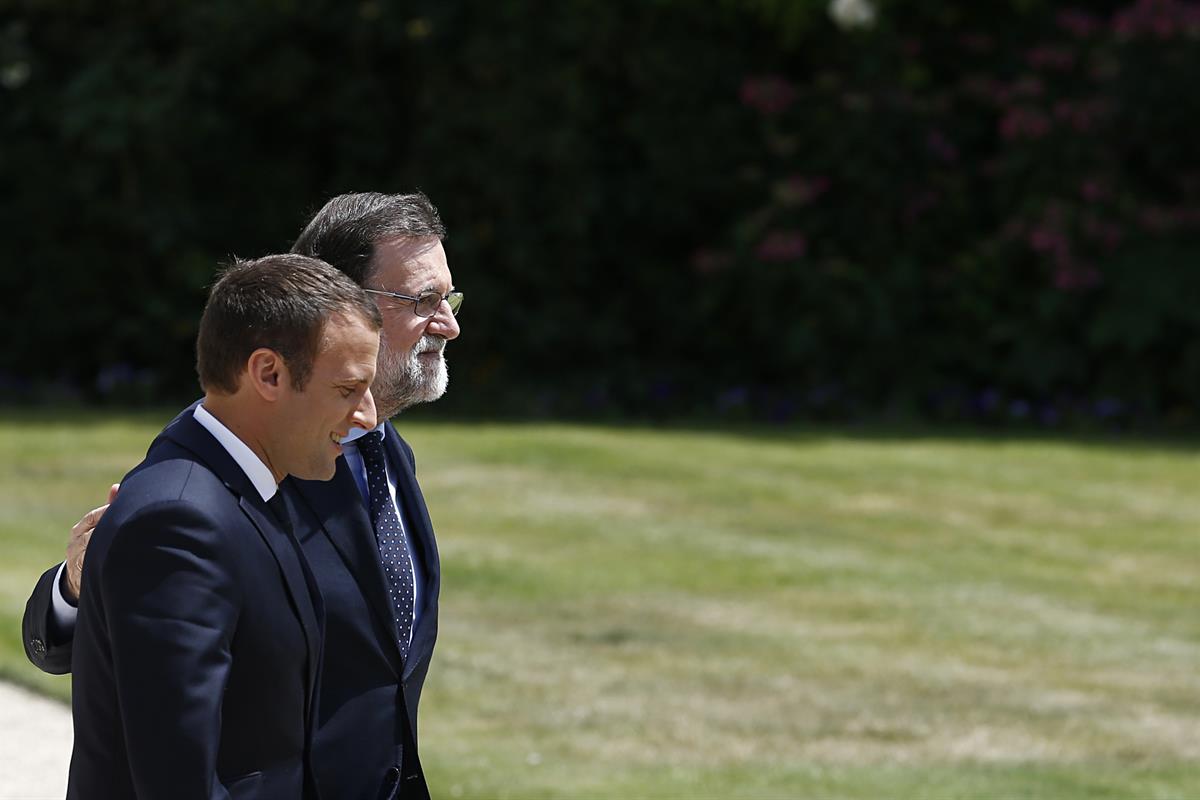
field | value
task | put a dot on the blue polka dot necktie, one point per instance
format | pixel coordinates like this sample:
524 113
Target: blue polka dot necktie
389 535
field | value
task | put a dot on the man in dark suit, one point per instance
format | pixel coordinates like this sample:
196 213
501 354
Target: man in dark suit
199 633
377 653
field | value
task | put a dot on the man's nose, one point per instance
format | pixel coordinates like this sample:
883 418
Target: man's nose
444 323
364 415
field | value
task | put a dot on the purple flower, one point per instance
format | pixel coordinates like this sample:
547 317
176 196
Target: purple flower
941 147
1093 190
1072 276
768 94
1024 123
1162 19
1108 407
1079 24
1050 57
734 397
1028 86
1156 219
1082 116
1043 239
987 401
782 246
801 190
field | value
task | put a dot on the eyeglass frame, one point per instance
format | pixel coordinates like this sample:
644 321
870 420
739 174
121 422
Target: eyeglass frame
416 300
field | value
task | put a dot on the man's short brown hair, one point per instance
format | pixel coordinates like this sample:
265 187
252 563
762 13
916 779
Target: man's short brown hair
279 302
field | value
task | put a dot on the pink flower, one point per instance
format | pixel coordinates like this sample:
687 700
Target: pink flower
1079 24
940 147
800 190
1024 123
1048 240
1162 19
1108 234
1078 116
1029 86
768 94
1050 57
1157 219
1093 190
782 246
1072 276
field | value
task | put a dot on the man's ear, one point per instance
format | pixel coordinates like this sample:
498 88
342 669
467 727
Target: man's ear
267 373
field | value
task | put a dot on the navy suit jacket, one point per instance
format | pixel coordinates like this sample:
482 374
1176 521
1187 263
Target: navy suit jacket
366 745
198 641
366 738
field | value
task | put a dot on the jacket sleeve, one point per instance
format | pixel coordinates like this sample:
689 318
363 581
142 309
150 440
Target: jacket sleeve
46 647
171 603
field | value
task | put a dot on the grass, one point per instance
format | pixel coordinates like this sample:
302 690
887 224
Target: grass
632 612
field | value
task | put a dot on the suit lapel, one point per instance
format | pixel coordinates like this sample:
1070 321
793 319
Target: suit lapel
348 527
416 516
305 596
191 435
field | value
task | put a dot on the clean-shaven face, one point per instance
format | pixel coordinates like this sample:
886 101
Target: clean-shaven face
336 398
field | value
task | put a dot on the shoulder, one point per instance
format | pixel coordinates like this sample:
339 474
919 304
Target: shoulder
170 494
405 450
168 474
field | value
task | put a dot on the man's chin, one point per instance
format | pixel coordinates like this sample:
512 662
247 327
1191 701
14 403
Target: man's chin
317 472
389 410
388 405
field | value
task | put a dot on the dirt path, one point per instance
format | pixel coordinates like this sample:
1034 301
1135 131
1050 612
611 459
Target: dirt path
35 745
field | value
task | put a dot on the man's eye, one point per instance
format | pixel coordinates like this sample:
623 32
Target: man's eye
346 392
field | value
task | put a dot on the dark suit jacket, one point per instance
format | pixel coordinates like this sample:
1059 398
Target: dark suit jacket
198 640
367 714
366 722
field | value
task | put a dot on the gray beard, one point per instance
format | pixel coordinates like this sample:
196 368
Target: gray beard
403 380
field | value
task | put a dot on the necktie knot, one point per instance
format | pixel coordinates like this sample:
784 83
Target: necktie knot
370 447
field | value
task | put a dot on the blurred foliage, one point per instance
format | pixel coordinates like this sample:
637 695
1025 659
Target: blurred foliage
749 208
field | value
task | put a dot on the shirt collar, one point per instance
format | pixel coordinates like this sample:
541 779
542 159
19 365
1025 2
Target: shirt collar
357 433
258 472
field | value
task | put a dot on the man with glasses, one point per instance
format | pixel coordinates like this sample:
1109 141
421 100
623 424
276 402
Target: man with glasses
366 534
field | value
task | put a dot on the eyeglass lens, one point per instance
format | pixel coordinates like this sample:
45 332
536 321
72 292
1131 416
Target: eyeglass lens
429 302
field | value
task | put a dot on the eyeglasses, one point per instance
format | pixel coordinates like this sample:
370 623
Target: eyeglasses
427 303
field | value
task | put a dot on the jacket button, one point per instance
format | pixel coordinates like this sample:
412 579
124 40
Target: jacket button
38 647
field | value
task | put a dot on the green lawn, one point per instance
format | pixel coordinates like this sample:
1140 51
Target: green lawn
630 612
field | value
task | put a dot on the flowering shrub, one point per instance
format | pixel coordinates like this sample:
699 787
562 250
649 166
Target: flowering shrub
750 208
986 216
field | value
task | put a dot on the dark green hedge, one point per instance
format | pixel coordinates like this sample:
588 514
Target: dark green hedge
655 208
